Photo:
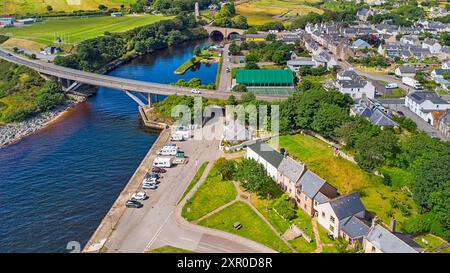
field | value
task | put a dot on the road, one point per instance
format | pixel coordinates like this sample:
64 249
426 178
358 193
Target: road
159 222
422 125
120 83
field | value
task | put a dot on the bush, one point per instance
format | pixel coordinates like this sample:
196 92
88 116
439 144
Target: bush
226 168
239 88
285 207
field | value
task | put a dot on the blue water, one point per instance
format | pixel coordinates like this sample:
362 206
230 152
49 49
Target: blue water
57 185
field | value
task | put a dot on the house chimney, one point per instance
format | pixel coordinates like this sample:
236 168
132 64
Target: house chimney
375 221
392 225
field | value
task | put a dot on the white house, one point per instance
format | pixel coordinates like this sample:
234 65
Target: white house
348 82
424 104
334 214
433 45
405 71
324 59
267 156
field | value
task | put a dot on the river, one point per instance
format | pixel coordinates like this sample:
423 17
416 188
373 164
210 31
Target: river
57 185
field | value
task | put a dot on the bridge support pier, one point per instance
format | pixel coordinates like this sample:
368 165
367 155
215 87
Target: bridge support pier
149 100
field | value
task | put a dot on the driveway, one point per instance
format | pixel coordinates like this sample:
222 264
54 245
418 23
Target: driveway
422 125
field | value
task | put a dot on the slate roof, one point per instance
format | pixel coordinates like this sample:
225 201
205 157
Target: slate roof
441 71
355 227
407 69
380 118
265 151
321 198
446 118
347 205
421 96
311 183
389 242
291 169
361 44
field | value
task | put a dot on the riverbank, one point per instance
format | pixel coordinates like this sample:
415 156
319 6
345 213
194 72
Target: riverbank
14 132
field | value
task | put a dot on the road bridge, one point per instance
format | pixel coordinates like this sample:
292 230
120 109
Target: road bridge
122 84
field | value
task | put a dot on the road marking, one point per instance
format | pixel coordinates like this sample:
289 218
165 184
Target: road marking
158 232
186 239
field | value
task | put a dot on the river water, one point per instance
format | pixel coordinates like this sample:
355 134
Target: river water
58 184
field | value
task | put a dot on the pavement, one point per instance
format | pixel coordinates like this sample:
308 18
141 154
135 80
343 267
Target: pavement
225 77
159 222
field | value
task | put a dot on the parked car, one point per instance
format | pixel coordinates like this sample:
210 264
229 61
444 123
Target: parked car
133 204
158 170
391 86
400 113
139 196
195 91
149 186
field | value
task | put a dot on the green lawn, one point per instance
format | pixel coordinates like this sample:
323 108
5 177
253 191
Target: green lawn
323 235
263 206
253 227
395 93
212 194
79 29
303 221
302 246
432 240
385 201
196 178
169 249
205 56
33 6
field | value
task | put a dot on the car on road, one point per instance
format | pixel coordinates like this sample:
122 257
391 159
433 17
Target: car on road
195 91
149 186
150 180
133 204
139 196
228 70
158 170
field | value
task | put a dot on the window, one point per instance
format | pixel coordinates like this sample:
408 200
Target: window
306 198
331 228
331 219
323 214
316 203
373 249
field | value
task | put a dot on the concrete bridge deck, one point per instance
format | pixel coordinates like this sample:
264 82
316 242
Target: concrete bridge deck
120 83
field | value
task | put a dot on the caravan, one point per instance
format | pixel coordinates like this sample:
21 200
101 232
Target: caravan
168 150
163 162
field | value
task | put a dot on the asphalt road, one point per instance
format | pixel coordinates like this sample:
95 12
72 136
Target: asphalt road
159 222
120 83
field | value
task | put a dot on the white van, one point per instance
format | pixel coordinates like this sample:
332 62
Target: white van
168 150
163 162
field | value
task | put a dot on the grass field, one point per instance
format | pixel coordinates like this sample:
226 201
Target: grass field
212 194
169 249
78 29
253 227
196 178
32 6
262 11
430 242
348 177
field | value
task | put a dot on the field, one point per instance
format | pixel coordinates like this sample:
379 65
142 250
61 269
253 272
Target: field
77 30
347 177
33 6
253 227
196 178
262 11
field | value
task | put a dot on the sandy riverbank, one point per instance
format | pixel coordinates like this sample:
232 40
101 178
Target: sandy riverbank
14 132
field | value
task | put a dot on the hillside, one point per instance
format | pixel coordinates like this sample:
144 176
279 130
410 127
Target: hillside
32 6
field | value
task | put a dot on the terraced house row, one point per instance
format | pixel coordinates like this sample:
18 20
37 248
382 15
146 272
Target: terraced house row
341 215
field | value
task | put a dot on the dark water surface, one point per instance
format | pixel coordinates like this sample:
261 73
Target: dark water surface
57 185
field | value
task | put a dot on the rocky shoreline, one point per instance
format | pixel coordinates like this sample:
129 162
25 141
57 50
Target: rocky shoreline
14 132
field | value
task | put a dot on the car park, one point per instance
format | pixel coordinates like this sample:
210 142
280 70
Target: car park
149 186
158 170
133 204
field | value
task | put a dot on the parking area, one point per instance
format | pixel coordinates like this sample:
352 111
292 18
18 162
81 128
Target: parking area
137 227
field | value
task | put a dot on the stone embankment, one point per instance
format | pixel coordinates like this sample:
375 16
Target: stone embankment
11 133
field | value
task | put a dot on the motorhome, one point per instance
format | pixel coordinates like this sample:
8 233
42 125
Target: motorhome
168 150
163 162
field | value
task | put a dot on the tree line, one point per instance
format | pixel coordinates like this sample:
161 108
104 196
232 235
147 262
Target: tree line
94 54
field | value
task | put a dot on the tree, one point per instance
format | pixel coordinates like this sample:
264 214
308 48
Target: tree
430 175
239 88
102 7
327 119
234 49
49 8
251 65
197 50
285 207
49 96
278 57
271 37
232 100
226 168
